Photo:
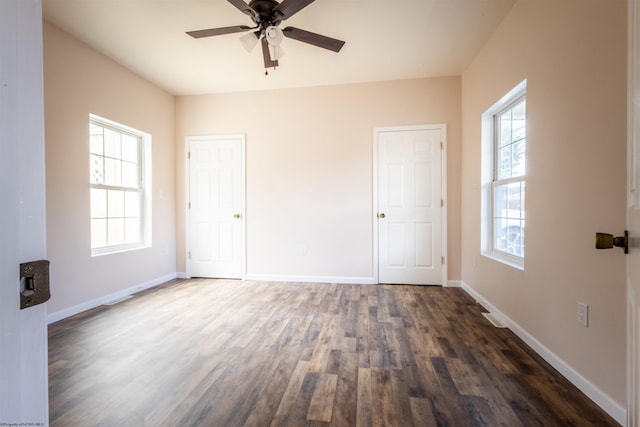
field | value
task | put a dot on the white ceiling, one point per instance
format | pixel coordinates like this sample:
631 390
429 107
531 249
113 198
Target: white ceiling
385 40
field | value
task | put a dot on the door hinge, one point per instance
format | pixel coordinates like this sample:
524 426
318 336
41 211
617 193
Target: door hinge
189 205
441 145
442 203
442 259
189 155
189 254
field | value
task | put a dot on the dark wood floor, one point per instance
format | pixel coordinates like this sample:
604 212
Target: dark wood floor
232 353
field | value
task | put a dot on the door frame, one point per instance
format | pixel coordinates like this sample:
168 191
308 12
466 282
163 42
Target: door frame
443 186
187 146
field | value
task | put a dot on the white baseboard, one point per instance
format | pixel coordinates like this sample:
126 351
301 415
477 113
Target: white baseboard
181 275
311 279
454 283
613 408
88 305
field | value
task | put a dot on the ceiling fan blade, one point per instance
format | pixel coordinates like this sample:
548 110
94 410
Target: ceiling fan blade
268 62
218 31
313 38
244 8
288 8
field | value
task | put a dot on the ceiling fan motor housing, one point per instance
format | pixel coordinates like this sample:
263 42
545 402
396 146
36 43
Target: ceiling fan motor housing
264 9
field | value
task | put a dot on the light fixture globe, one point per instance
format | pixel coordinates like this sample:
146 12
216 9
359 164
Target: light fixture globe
274 35
249 41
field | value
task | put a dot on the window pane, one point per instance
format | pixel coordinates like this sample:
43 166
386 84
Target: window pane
98 203
132 203
519 130
98 233
500 201
132 230
130 146
112 144
504 161
96 144
518 158
508 222
509 236
518 114
505 129
96 169
130 175
115 206
509 201
115 231
511 142
112 172
514 205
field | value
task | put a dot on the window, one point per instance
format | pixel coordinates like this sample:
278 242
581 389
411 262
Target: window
504 173
119 202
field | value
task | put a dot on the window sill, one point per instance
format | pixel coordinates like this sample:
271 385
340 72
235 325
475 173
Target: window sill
117 249
511 261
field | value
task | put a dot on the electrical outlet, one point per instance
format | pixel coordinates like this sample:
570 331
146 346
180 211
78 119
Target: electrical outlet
583 314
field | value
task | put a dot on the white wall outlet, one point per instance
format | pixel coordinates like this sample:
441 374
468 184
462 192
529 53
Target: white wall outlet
583 314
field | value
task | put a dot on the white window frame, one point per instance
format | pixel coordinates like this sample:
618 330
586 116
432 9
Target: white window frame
489 176
144 184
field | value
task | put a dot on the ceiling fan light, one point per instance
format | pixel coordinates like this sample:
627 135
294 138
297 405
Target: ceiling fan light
249 41
275 52
274 35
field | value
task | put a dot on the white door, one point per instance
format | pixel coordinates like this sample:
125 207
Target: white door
409 206
23 333
216 192
633 218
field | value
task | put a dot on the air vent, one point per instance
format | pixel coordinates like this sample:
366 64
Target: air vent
494 320
119 300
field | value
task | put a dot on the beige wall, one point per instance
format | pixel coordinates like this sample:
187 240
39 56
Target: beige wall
572 53
309 168
79 81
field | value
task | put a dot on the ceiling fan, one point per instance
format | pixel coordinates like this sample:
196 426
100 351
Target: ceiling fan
268 15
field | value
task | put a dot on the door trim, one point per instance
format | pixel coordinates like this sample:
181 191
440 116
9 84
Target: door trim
443 187
187 146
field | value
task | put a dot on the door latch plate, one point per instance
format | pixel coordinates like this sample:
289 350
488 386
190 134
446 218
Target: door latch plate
34 283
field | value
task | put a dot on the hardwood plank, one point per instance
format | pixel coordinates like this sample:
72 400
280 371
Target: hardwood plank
233 353
322 400
363 401
422 412
345 406
291 393
384 411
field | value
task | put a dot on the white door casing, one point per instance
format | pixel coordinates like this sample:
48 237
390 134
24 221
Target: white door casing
633 216
409 170
216 206
23 333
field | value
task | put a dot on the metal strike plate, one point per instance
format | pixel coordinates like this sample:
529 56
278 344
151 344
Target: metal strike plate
34 283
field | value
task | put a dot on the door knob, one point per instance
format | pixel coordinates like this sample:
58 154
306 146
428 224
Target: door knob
381 215
608 241
236 215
